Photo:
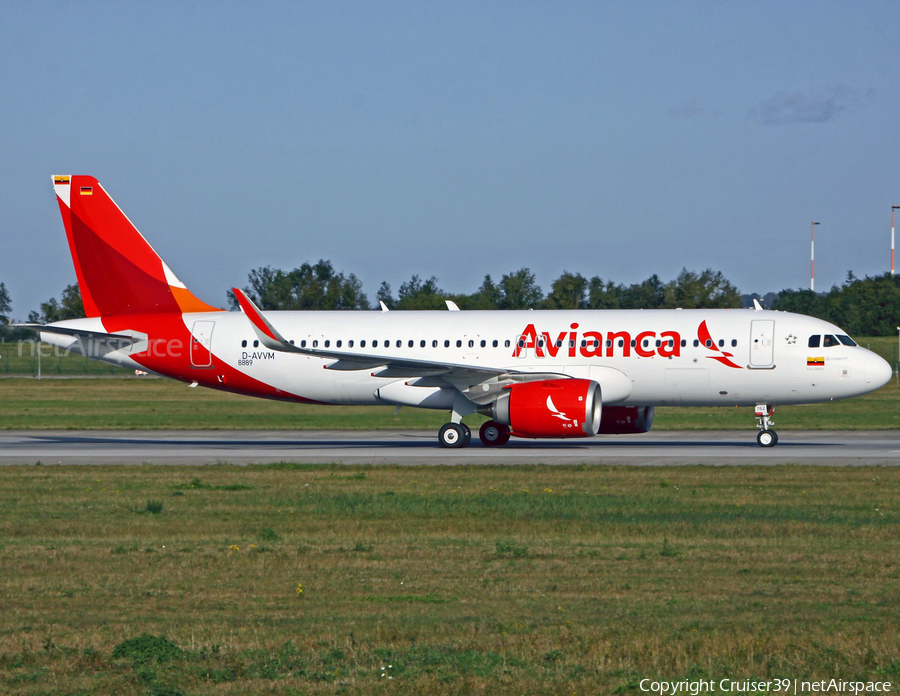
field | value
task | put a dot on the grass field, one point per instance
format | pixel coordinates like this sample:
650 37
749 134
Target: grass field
463 580
143 403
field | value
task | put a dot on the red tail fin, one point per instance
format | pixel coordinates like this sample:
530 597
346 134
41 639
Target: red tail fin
118 271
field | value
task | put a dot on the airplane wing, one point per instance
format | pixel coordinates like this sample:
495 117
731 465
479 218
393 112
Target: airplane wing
459 375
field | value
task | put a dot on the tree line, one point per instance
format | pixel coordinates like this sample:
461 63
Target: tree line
861 306
319 286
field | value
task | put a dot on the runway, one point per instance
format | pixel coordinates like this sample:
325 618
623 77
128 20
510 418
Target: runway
661 448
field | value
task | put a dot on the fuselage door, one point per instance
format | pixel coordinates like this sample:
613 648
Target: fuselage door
201 343
762 335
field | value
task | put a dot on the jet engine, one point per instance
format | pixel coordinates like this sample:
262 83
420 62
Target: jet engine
550 408
626 420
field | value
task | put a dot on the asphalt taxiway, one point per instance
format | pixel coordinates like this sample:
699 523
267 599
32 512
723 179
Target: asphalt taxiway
659 448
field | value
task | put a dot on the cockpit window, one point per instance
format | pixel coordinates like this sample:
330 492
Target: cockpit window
846 340
830 341
814 341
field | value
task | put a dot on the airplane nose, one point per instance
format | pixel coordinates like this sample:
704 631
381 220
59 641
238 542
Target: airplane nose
878 371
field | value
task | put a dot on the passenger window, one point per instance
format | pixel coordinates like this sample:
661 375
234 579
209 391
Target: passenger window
256 344
362 344
506 343
814 341
375 343
349 343
411 343
733 342
696 343
708 343
621 343
315 344
483 343
243 344
846 340
338 343
830 341
471 343
494 343
721 343
303 343
399 343
683 343
459 344
434 344
421 344
446 344
327 344
583 343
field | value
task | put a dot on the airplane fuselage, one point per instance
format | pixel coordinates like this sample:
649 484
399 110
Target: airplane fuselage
643 357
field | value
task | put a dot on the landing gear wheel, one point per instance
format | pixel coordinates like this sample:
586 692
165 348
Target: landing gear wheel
767 438
494 434
454 435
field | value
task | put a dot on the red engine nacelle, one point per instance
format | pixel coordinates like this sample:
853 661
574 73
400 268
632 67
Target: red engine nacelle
626 420
550 408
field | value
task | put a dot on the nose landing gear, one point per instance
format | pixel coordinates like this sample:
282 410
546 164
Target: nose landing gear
766 437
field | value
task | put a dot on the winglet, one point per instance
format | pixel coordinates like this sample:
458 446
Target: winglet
756 305
452 306
384 307
267 333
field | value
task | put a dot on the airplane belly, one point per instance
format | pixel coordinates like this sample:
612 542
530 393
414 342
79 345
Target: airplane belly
687 386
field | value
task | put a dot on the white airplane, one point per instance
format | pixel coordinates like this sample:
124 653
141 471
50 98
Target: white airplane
535 374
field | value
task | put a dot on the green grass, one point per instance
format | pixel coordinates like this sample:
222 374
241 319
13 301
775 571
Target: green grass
482 580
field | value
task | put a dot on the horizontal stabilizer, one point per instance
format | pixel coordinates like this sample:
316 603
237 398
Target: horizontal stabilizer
79 333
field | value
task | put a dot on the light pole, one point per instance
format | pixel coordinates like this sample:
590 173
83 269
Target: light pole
893 208
898 355
812 257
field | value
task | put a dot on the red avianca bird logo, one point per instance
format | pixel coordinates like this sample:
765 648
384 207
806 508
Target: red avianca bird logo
706 339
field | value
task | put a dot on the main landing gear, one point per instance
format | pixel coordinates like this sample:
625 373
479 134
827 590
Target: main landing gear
454 435
492 434
766 436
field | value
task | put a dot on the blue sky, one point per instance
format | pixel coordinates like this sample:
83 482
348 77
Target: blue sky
457 139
